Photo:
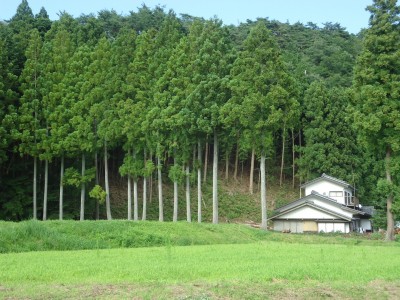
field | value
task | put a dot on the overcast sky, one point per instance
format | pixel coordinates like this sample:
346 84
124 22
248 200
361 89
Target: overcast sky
350 14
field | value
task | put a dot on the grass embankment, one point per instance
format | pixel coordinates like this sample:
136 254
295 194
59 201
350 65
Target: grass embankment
72 235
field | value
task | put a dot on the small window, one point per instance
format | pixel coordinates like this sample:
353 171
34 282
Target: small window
336 194
348 198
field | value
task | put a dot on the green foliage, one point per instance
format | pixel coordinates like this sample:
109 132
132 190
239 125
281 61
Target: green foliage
98 194
131 166
176 173
74 178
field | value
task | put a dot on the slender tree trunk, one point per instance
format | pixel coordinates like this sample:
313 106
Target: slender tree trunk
215 179
263 194
108 206
251 171
61 199
135 194
283 154
227 165
46 184
97 183
389 213
35 188
129 197
199 182
293 160
205 163
175 216
135 199
144 206
160 195
236 162
151 181
300 159
188 211
129 192
144 212
82 216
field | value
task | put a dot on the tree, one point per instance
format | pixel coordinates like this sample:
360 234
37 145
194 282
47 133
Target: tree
30 107
330 145
42 22
56 55
377 90
266 94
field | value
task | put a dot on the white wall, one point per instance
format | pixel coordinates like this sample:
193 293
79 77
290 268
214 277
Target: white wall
332 207
323 187
307 213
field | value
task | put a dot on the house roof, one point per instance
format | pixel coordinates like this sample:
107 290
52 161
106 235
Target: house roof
297 203
315 206
328 178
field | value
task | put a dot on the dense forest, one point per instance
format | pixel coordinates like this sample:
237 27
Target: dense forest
158 101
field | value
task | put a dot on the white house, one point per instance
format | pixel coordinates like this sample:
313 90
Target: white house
329 205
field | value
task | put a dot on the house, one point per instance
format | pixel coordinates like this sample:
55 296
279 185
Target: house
329 205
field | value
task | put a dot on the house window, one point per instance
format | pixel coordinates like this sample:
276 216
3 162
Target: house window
336 194
348 198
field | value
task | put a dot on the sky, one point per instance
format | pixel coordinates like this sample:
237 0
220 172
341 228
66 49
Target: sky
350 14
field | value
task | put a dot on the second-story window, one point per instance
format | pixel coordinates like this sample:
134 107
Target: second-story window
348 199
336 194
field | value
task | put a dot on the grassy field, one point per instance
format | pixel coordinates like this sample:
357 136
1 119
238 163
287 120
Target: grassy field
226 261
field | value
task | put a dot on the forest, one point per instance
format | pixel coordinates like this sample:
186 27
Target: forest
165 102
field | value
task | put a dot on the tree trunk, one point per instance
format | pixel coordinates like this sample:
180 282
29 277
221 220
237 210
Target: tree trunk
97 183
300 159
129 197
135 194
215 179
108 206
61 199
144 212
283 154
135 199
389 213
35 188
188 211
144 206
46 184
199 182
263 194
151 182
251 171
82 216
175 216
236 162
293 160
227 165
205 163
129 192
160 196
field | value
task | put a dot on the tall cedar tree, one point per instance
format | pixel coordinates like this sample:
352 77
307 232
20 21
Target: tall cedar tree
266 95
330 140
30 108
377 92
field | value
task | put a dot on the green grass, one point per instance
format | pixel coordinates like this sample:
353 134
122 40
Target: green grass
201 272
73 235
152 260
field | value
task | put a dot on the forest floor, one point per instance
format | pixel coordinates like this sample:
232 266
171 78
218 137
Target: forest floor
191 261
